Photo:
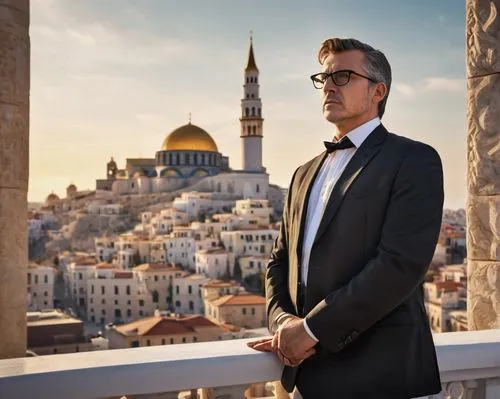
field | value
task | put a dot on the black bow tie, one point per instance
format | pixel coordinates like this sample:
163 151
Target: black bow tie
343 144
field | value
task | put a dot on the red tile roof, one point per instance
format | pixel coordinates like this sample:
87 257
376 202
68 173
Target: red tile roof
158 325
239 300
155 267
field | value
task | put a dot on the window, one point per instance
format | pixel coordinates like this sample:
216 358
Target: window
141 302
129 313
195 339
257 188
141 313
148 342
191 305
116 290
118 313
116 302
45 279
171 341
103 289
190 289
244 311
246 111
80 276
156 278
253 311
92 289
177 289
254 130
103 301
36 278
183 340
134 344
103 312
163 341
253 111
128 289
45 293
178 304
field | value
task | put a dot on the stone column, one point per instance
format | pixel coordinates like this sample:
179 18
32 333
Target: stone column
14 134
483 158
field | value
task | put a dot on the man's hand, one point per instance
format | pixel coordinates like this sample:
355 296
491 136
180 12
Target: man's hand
266 345
292 343
262 345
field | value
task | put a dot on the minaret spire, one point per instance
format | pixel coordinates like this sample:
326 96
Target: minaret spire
251 120
251 65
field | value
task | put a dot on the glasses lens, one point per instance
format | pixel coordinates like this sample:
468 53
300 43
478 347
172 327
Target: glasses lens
340 78
318 80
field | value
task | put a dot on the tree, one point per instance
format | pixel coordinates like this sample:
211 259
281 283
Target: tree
155 296
238 274
137 259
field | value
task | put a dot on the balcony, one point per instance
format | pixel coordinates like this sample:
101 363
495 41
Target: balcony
469 364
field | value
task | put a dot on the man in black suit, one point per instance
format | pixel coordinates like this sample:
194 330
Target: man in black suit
344 285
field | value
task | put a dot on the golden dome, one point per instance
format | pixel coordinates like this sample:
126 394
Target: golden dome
189 138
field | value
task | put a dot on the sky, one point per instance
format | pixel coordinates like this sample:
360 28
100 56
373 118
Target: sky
112 79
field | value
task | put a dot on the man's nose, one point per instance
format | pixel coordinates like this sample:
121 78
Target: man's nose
329 87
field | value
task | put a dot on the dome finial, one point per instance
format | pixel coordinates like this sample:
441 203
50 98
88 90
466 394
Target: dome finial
251 36
190 118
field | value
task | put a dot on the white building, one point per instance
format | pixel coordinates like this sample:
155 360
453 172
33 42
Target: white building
187 293
254 210
251 265
215 263
249 241
40 287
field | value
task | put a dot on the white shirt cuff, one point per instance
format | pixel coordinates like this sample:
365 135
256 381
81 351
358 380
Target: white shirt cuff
309 331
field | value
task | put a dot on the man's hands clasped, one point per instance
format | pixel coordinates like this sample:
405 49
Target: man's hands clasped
291 343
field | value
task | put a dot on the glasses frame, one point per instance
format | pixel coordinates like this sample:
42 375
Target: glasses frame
331 76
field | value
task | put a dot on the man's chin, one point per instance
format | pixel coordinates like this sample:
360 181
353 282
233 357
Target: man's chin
332 117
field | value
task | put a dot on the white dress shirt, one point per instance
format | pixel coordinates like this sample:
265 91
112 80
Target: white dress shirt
328 175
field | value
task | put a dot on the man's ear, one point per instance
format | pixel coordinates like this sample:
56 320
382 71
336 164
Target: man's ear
380 92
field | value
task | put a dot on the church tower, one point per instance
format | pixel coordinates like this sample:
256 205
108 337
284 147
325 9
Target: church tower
251 117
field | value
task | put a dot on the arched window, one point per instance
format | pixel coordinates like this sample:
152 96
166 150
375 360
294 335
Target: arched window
253 111
253 95
170 159
196 159
177 159
254 130
246 111
257 188
259 112
247 80
203 159
249 130
256 79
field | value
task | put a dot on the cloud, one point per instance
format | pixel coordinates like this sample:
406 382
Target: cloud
428 85
406 90
453 85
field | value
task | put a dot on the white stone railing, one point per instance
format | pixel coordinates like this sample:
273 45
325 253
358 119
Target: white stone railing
469 364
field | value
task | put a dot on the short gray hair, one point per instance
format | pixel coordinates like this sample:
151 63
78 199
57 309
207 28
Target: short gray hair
376 64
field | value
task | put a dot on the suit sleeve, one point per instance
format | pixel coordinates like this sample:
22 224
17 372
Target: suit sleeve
278 299
408 240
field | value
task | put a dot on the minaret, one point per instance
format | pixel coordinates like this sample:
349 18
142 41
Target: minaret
251 117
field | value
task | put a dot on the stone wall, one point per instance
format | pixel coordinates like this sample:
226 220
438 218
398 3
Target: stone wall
483 156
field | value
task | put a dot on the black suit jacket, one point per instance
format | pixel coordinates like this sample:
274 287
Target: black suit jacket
364 297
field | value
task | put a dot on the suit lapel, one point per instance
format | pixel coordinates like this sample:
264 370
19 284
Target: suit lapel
364 154
304 194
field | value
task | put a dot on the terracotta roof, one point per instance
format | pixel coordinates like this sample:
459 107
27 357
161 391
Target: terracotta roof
214 251
158 325
155 267
448 286
239 300
106 265
220 284
124 275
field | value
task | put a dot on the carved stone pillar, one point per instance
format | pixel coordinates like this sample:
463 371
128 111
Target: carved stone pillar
483 159
14 134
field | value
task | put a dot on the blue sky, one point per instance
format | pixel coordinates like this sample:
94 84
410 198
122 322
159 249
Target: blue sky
114 77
